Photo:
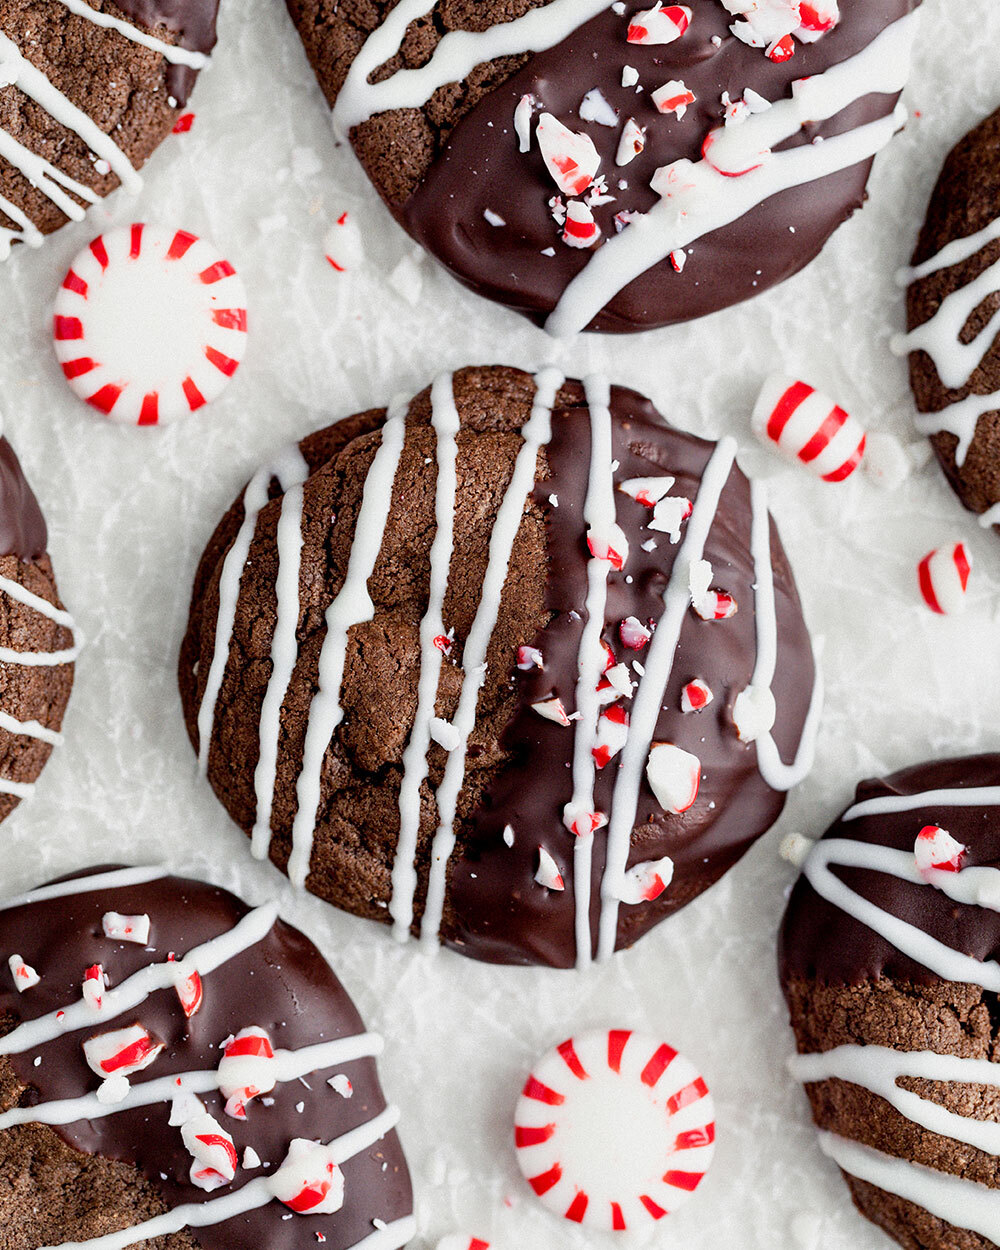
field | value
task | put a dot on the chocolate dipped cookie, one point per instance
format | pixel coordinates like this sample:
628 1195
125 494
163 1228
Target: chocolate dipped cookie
614 167
179 1070
516 665
889 952
37 639
953 316
88 90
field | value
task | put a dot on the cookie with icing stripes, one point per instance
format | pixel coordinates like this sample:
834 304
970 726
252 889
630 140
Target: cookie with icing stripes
135 1111
953 319
889 963
615 167
38 639
515 665
88 90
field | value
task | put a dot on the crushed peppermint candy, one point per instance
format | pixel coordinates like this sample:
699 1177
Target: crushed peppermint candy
341 1085
673 97
547 873
634 634
632 142
696 696
213 1152
247 1069
669 514
645 882
674 776
126 928
570 157
309 1182
554 710
612 732
529 658
121 1052
936 850
659 25
581 230
94 985
25 977
522 121
595 108
647 490
612 546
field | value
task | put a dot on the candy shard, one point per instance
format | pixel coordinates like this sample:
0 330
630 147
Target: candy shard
571 158
673 97
659 25
647 490
647 881
943 575
213 1151
808 428
669 514
121 1052
25 977
554 710
674 776
754 713
523 114
695 696
611 546
631 144
126 928
634 634
581 229
595 108
247 1069
612 733
547 874
94 985
936 850
309 1182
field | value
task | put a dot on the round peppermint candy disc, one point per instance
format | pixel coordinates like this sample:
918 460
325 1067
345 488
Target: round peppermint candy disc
614 1129
150 324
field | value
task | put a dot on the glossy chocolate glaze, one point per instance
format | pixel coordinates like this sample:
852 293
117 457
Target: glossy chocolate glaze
193 20
282 984
481 168
820 942
22 526
501 914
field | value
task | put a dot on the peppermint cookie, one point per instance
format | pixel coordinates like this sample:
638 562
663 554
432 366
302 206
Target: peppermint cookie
515 665
953 314
179 1070
88 90
889 964
615 167
37 639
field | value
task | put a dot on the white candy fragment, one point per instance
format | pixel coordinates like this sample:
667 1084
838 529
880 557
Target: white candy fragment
612 733
647 490
554 710
341 1085
611 546
571 158
113 1091
25 977
547 874
674 776
213 1151
632 142
616 683
247 1070
251 1159
673 97
126 928
646 882
595 108
754 713
936 850
522 121
669 514
630 76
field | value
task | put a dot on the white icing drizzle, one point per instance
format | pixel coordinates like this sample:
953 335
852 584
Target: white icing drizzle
27 231
709 200
62 110
878 1068
290 469
284 652
351 606
170 52
892 804
445 422
777 774
46 178
30 729
118 879
965 1204
290 1065
954 360
600 515
258 1193
135 989
458 53
649 697
535 435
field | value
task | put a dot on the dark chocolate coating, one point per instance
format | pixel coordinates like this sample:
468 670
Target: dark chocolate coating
822 943
282 984
22 527
192 20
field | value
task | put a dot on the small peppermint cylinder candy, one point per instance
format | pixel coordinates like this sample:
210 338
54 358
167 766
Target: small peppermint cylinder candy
808 428
247 1069
150 324
943 575
309 1182
213 1151
614 1130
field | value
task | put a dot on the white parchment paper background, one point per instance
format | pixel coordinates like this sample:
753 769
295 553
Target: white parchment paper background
130 510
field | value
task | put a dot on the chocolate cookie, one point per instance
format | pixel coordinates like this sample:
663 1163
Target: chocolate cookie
953 318
37 644
614 167
88 89
889 955
180 1071
414 690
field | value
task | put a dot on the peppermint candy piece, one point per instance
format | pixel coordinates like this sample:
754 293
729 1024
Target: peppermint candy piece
611 546
674 776
808 428
616 683
631 144
190 990
943 575
645 882
670 513
529 658
94 985
309 1182
673 97
646 490
633 633
522 121
571 158
342 244
121 1052
595 108
25 977
816 20
580 230
126 928
612 732
580 820
150 324
213 1151
341 1084
659 25
247 1069
547 874
754 713
695 696
936 849
614 1130
715 605
554 710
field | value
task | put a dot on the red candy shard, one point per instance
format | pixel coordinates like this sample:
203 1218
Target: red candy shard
547 873
659 25
571 158
121 1052
936 850
310 1181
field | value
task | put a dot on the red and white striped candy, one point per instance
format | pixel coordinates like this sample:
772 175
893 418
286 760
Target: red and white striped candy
529 658
611 546
695 696
459 1241
715 605
633 633
935 848
580 820
553 710
669 514
25 977
342 244
571 158
674 776
673 97
631 144
647 490
616 683
309 1182
547 873
580 229
647 881
247 1069
817 19
943 575
150 324
612 732
807 427
94 985
126 928
659 24
614 1130
121 1052
781 50
189 990
213 1151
